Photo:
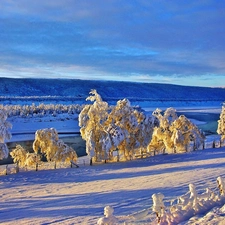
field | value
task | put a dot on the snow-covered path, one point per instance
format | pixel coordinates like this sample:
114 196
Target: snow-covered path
78 196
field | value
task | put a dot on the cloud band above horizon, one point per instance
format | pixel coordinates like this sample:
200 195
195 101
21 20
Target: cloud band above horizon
180 42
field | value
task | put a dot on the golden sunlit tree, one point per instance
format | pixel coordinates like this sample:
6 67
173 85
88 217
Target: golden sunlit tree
55 150
92 128
174 134
19 155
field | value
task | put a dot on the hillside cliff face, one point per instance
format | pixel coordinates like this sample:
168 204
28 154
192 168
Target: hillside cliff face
107 89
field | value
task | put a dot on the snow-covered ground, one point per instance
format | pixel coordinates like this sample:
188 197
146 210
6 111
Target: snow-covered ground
79 195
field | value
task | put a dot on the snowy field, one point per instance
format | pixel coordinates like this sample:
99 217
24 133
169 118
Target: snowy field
79 195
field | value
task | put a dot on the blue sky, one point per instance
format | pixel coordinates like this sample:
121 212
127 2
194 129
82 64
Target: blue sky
171 41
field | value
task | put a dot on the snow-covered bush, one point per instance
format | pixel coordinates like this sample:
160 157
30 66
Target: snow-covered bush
23 158
158 205
221 124
65 153
55 150
33 159
174 134
19 155
4 134
109 218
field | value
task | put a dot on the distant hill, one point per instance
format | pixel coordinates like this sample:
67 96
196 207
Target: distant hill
108 90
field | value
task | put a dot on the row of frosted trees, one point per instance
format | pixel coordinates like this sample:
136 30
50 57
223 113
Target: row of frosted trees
121 128
129 132
40 110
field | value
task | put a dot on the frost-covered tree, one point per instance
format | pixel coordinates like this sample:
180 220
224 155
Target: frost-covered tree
145 131
65 153
174 133
161 137
4 134
55 150
185 132
19 155
111 139
221 123
45 139
120 127
91 122
23 158
134 131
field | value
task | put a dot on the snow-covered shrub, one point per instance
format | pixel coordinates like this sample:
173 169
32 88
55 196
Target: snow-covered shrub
55 150
158 205
65 153
4 134
221 185
23 158
19 155
109 218
221 124
33 159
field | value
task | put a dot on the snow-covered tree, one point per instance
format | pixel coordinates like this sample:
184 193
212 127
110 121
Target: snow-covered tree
185 132
221 123
4 134
45 139
161 138
19 155
91 122
23 158
135 128
65 153
120 127
145 131
174 133
55 150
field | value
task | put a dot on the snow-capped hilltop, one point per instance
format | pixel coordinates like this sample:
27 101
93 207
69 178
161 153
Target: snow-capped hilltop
108 89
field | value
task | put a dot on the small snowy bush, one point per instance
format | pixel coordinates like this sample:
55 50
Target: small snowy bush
19 155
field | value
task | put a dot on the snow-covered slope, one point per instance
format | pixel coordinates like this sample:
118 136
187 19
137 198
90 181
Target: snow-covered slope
107 89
